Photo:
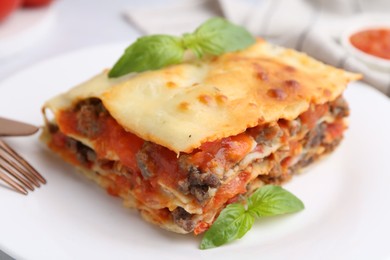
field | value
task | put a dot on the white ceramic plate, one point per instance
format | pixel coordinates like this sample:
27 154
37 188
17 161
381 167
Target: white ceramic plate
347 195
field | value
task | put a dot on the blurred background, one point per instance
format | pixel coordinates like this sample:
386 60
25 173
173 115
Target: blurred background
32 34
35 30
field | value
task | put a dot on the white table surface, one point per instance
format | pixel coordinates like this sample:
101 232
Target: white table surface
77 24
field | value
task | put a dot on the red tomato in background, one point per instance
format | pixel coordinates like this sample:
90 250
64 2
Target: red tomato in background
35 3
7 7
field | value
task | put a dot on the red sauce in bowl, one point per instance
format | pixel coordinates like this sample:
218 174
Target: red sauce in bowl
373 41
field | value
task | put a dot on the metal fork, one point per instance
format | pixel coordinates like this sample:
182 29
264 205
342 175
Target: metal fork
14 170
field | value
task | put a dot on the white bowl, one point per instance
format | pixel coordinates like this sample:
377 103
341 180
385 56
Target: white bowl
362 23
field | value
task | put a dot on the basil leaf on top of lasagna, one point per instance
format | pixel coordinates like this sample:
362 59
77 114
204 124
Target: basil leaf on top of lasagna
182 142
213 37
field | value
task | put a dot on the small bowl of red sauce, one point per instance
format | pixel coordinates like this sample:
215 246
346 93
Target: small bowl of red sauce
368 39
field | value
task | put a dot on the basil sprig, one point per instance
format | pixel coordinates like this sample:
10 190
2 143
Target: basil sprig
236 219
214 37
217 36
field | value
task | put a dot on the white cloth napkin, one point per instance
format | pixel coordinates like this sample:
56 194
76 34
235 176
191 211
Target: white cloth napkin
310 26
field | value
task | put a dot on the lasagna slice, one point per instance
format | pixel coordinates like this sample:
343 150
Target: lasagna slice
182 142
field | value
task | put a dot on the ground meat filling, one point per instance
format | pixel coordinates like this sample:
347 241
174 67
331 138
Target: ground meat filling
313 139
269 135
183 219
198 184
146 166
339 108
88 113
84 154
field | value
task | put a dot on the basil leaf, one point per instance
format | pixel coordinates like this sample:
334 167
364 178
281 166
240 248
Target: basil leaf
214 37
273 200
235 221
149 53
232 223
217 36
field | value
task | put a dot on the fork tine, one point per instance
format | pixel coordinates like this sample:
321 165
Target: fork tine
23 171
11 171
23 162
12 183
13 165
32 169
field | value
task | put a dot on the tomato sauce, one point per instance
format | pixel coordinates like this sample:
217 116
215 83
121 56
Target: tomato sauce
164 163
229 190
311 116
201 227
222 152
57 143
121 184
336 129
113 138
375 42
165 166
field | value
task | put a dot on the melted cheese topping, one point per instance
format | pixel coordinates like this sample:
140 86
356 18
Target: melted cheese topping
182 106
